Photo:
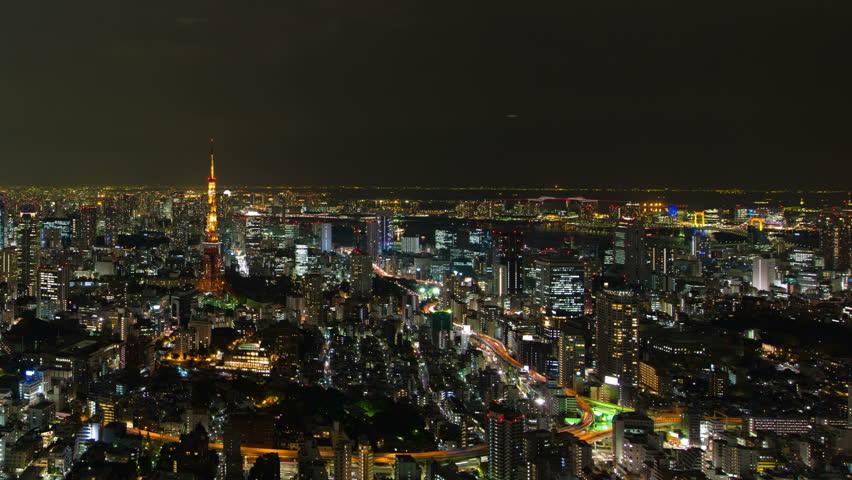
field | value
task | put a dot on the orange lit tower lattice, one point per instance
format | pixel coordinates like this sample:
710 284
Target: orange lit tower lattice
212 281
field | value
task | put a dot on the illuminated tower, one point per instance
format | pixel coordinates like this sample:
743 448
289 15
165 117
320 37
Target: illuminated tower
212 281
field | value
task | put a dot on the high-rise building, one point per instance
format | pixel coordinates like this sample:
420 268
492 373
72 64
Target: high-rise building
212 280
325 238
763 273
9 265
361 274
380 235
445 239
835 235
505 444
508 254
57 232
366 461
617 335
313 298
301 260
52 290
411 244
559 285
343 459
87 227
572 357
629 251
254 222
27 249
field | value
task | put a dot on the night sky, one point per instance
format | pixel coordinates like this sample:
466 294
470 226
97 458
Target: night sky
467 92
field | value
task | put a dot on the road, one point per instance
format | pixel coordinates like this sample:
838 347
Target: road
501 351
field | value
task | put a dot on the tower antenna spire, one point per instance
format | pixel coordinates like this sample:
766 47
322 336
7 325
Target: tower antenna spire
212 281
212 172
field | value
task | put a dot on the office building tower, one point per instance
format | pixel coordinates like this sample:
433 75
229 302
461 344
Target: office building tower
254 223
445 239
313 298
508 254
87 227
27 249
57 232
629 251
366 461
361 274
9 265
505 432
52 290
835 238
411 244
717 381
559 286
380 235
572 357
301 258
661 259
617 335
763 273
325 238
212 281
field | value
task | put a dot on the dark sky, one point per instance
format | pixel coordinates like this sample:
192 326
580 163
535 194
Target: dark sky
467 92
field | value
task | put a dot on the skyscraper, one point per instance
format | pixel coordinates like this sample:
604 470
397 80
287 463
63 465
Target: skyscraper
572 357
505 444
343 459
835 238
366 461
763 273
325 237
254 223
380 235
559 285
508 254
445 239
212 280
27 248
87 227
361 274
617 335
313 298
52 290
629 251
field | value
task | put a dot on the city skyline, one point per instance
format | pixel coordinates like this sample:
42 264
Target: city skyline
383 240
